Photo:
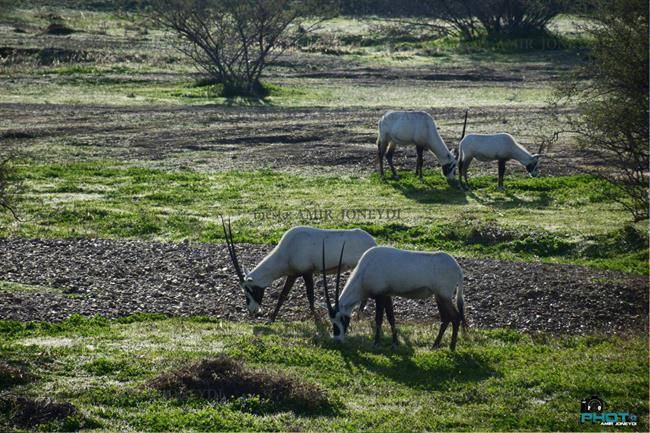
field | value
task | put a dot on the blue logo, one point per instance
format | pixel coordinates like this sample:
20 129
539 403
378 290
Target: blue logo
592 411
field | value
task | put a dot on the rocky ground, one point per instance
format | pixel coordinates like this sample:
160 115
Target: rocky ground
115 278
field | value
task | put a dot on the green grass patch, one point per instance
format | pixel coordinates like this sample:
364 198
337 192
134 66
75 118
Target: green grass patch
496 380
559 219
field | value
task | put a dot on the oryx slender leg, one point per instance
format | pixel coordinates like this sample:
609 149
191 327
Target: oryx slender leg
381 151
390 315
446 310
466 163
420 161
379 317
460 173
288 284
309 287
389 157
454 334
502 171
441 332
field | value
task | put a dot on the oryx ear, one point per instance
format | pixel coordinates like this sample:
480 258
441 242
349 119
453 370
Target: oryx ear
536 156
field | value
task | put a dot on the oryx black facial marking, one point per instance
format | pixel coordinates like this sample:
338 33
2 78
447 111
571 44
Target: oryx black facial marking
532 166
448 168
340 325
254 293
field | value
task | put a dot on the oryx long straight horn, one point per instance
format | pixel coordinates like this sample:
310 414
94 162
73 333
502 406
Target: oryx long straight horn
464 125
338 278
227 232
327 293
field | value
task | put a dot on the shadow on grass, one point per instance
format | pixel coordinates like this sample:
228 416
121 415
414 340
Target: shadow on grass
429 371
428 191
511 201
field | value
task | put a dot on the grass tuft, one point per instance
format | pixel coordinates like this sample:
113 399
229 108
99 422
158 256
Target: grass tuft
10 375
225 378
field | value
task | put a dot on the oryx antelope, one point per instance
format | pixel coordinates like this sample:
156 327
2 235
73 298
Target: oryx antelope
298 254
493 147
384 272
412 128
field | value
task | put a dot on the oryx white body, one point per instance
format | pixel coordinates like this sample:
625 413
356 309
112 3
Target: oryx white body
299 254
385 272
494 147
415 128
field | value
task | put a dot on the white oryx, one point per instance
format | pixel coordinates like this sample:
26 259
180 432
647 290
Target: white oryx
412 128
384 272
298 254
493 147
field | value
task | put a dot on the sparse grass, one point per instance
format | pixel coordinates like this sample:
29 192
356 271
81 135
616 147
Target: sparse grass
559 219
497 380
11 287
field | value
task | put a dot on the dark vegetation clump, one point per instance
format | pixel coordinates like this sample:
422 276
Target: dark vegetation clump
480 233
225 378
58 29
28 412
43 56
10 376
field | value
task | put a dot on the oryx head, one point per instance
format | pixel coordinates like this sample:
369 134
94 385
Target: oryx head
254 292
449 169
340 321
532 166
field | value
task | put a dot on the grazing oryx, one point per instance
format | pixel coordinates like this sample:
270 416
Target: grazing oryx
384 272
298 254
490 147
416 128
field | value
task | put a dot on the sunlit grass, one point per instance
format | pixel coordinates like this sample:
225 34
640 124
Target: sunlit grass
496 380
565 219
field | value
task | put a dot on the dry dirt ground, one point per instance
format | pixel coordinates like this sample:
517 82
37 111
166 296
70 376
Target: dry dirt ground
117 278
214 138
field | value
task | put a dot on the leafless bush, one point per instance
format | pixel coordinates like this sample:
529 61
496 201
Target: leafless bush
495 18
232 40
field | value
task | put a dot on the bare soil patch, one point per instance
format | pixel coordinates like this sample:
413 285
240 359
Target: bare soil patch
215 138
117 278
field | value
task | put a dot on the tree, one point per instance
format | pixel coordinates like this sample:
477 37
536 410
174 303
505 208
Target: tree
496 18
613 101
8 183
234 40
